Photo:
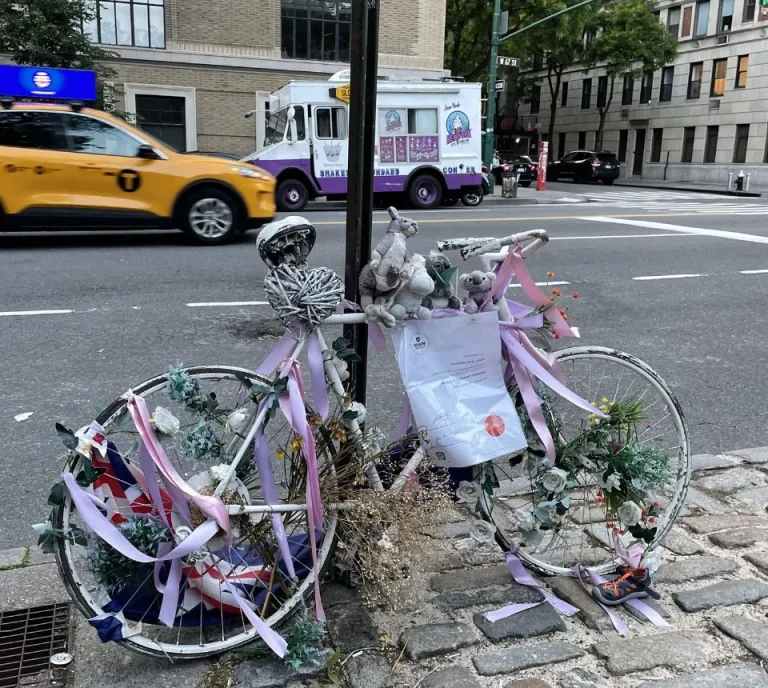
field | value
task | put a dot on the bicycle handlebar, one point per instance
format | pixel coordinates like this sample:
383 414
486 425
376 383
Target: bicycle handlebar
477 247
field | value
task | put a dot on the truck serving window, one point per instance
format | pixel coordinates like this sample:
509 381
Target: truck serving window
331 123
422 121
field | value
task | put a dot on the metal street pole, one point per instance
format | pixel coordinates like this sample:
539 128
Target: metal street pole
362 123
490 103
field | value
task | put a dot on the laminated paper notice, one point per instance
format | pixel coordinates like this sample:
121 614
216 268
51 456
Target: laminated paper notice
451 368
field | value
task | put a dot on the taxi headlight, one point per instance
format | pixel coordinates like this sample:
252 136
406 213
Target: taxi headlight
251 173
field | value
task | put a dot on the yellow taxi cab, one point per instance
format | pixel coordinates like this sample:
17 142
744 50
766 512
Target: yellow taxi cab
69 167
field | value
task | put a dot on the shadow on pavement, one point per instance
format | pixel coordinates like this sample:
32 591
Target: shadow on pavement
100 239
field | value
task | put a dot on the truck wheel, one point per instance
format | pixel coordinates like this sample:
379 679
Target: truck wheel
425 192
473 198
210 216
291 195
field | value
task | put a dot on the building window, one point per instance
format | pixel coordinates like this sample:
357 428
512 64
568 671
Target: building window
740 147
710 145
646 87
702 18
627 88
535 98
560 145
623 138
656 145
673 21
687 17
564 94
586 93
667 76
726 16
316 31
689 134
694 80
164 117
582 140
719 67
139 23
741 71
749 10
602 91
538 61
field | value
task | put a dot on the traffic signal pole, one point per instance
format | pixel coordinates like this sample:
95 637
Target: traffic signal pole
490 103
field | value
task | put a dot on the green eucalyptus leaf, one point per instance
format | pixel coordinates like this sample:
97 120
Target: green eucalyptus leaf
58 494
542 516
350 414
66 436
340 344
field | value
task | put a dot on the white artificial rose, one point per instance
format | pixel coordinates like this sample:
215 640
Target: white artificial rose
525 520
219 473
652 561
360 410
629 514
482 532
342 369
555 480
236 420
165 421
469 494
612 483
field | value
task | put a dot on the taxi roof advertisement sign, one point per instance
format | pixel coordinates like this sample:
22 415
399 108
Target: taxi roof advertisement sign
47 82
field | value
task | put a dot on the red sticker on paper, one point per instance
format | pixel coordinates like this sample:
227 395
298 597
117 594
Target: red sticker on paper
494 426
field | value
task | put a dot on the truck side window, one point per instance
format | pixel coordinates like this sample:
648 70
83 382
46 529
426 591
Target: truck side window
331 123
300 126
422 121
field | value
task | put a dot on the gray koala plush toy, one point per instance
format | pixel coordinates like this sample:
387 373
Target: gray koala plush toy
477 284
440 270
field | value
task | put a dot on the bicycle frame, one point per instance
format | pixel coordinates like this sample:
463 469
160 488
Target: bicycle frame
490 251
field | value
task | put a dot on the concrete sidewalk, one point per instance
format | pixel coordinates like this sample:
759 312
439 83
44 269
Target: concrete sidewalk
713 582
683 186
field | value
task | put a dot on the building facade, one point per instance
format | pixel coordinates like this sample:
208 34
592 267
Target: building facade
696 120
191 69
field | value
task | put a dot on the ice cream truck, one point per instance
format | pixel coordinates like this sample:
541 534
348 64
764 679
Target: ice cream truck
427 143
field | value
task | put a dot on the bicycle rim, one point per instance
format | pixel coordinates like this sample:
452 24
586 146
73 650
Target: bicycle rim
602 375
221 627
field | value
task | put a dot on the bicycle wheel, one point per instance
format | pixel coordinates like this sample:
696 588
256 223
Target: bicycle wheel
207 622
584 532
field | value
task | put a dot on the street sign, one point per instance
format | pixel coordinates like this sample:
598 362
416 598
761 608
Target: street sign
506 61
503 23
500 85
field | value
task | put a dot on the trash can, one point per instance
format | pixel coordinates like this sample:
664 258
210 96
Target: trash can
740 181
509 185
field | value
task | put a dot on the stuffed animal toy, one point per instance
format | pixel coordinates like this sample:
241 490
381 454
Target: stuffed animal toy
389 266
440 270
477 284
408 300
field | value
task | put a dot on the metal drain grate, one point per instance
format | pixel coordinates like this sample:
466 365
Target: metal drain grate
28 640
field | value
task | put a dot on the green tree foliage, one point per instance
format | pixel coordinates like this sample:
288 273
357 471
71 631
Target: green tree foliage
49 33
629 39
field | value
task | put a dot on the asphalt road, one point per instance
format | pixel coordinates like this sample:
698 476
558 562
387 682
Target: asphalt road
698 317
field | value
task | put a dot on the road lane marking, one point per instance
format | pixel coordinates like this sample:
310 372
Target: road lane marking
223 304
699 231
647 278
753 272
11 313
620 236
554 283
535 218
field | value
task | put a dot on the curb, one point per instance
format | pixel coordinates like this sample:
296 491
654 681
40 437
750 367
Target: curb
667 187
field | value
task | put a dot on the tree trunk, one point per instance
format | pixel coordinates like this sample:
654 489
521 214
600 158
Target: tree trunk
554 92
603 112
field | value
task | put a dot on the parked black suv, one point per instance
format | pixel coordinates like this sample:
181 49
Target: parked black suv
520 165
585 166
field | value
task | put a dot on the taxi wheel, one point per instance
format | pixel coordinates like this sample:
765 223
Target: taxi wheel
211 216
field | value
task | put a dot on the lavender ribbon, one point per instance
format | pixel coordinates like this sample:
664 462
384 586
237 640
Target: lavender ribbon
521 576
266 475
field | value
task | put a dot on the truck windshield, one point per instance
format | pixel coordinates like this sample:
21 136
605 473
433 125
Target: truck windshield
276 125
